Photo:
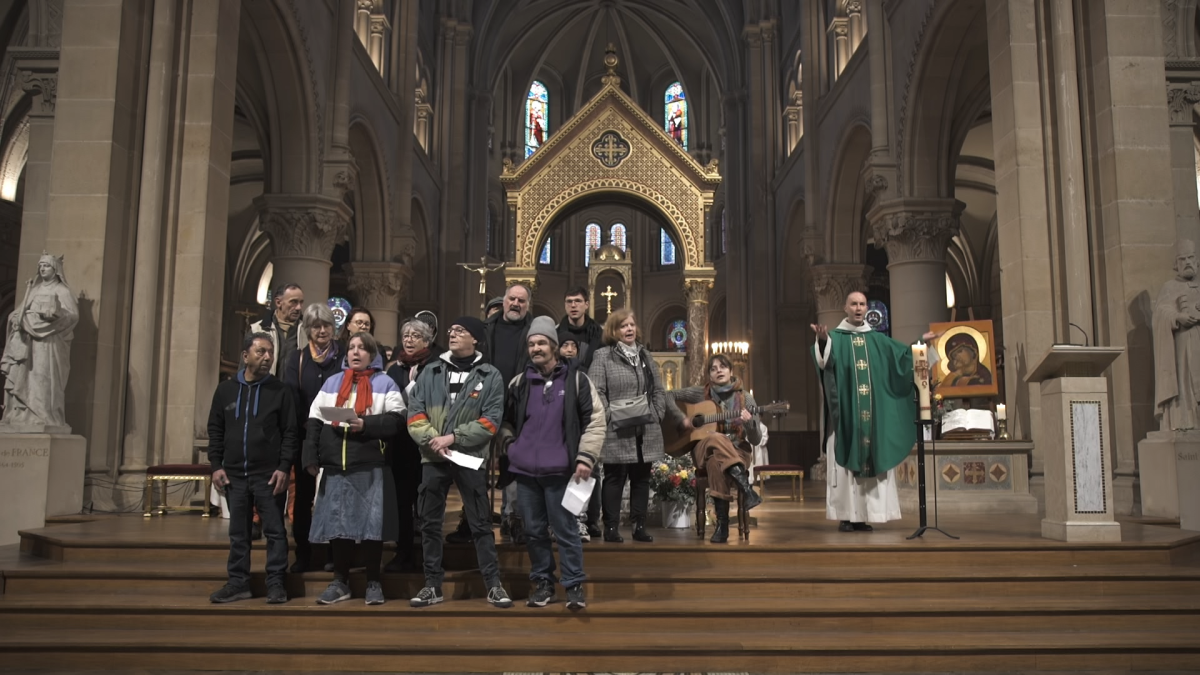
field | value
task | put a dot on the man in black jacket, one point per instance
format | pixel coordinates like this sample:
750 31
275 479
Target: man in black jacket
505 349
252 441
587 334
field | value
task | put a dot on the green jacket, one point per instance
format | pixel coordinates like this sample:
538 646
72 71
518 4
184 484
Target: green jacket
474 417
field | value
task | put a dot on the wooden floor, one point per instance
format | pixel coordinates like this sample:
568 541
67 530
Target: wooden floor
127 593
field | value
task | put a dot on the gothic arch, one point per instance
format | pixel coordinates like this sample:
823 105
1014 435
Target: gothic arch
944 77
275 73
371 240
844 238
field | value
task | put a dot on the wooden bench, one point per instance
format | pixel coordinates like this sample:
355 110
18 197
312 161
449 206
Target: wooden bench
163 474
793 471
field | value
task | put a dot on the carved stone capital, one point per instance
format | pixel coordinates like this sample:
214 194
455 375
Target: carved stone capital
832 282
303 226
915 229
37 72
1180 99
526 276
378 285
696 291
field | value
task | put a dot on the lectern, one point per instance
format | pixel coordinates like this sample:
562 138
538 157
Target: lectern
1074 443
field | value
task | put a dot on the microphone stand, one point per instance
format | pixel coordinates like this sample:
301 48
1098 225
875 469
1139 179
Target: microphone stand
922 425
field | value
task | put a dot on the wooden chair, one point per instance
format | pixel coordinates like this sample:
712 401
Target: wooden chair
743 516
792 471
164 473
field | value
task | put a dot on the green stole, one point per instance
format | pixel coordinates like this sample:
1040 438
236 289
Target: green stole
868 383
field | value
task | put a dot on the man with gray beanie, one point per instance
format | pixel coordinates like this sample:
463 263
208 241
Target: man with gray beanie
552 434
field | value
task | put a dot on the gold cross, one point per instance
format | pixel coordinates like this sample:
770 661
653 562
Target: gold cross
609 150
865 415
858 341
609 294
861 365
863 390
866 440
483 269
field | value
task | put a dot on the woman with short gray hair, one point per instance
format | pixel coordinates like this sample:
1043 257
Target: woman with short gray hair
305 374
414 352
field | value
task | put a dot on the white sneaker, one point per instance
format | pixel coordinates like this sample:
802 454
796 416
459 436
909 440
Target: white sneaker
583 533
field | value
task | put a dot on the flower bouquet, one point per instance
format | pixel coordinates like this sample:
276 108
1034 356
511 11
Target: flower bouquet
673 481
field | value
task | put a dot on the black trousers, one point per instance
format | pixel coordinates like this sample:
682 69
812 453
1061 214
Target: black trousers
615 475
244 495
406 473
436 479
302 508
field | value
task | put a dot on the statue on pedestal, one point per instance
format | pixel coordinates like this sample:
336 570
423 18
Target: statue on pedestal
1177 345
37 356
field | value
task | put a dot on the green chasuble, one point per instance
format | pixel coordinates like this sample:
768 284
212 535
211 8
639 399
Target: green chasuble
869 400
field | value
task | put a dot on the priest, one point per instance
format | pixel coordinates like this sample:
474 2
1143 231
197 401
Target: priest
868 420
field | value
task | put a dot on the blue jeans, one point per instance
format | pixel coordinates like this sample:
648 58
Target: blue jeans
540 500
244 494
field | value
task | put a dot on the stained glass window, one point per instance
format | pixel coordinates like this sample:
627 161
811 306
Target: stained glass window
537 116
666 252
677 335
616 236
544 259
675 114
591 242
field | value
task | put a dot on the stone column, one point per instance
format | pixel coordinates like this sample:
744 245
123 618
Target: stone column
402 74
362 20
1181 100
916 232
37 73
696 289
832 282
379 37
380 286
303 231
840 30
453 149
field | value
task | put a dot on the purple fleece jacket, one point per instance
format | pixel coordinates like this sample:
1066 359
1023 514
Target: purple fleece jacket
541 449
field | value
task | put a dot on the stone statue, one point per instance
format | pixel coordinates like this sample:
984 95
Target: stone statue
1177 345
37 357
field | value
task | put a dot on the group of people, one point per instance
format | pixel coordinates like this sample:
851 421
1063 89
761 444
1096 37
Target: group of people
376 445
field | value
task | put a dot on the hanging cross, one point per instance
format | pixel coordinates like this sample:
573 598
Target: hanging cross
483 269
246 315
608 295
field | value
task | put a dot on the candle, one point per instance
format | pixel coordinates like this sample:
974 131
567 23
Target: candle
1001 412
921 378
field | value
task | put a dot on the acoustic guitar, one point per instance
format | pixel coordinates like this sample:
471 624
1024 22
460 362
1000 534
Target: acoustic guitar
705 416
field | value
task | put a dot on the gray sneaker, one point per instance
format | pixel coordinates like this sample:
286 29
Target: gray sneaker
428 596
575 597
229 593
337 591
375 593
542 595
498 597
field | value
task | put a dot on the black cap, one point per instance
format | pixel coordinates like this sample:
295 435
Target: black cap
474 326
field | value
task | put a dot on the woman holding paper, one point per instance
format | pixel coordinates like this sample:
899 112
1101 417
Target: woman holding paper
349 421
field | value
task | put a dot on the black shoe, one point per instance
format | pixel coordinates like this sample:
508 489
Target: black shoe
575 598
276 595
542 595
328 567
301 565
430 595
721 534
845 526
230 593
461 534
640 533
612 534
738 473
862 527
594 531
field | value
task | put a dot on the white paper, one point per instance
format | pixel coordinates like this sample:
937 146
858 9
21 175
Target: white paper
462 459
338 414
576 498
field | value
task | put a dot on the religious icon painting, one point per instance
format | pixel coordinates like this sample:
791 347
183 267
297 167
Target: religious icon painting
966 364
341 311
677 335
877 317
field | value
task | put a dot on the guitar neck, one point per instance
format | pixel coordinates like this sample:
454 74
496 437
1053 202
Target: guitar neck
726 416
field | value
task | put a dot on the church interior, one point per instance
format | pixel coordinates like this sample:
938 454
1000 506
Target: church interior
730 170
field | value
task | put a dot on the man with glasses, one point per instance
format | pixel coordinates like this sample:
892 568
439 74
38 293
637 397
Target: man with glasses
456 406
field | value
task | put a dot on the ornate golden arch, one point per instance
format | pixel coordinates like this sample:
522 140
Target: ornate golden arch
611 146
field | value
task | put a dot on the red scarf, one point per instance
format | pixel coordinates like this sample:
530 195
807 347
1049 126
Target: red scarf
416 358
360 380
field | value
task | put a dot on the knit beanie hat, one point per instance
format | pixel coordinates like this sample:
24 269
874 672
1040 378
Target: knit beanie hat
494 302
565 336
544 325
472 325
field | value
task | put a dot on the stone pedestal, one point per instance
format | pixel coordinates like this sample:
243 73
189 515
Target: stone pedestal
40 475
1187 471
970 477
1078 460
1156 469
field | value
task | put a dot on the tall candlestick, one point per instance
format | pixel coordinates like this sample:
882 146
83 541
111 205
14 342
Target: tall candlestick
920 353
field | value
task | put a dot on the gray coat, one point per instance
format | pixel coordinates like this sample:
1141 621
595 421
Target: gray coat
615 380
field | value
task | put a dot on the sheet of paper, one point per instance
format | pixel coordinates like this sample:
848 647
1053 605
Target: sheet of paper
465 460
576 498
338 414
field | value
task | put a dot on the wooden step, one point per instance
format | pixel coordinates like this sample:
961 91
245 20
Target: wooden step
500 649
681 615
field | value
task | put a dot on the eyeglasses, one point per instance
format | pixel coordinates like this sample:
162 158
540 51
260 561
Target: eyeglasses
457 331
361 322
412 336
